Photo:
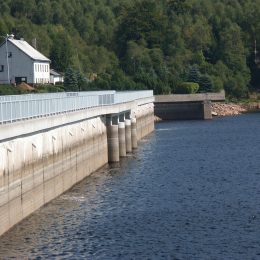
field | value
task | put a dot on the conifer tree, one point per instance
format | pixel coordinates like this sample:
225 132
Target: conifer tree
70 80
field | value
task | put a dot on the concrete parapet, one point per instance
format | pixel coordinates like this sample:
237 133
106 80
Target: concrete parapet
198 97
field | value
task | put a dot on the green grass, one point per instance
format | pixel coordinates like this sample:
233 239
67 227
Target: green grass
49 89
11 90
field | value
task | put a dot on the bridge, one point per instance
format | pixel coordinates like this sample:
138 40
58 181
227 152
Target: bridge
49 142
186 106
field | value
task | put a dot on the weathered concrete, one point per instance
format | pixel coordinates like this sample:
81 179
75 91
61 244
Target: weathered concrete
144 120
207 110
35 169
128 136
121 138
42 158
134 133
180 111
184 106
113 143
190 97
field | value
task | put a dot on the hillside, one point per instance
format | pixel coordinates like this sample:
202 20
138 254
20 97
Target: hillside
136 44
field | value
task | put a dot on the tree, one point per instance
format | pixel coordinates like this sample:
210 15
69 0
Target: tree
70 80
144 43
141 21
205 83
194 74
61 52
177 7
81 80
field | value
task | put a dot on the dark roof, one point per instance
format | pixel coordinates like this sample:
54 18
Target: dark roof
54 72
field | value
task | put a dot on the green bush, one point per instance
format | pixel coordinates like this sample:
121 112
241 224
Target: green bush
49 88
187 88
8 90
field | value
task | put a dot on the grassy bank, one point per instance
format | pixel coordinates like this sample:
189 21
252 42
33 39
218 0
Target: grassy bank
25 89
9 90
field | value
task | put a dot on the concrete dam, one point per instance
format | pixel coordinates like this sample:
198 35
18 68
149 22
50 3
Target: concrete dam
186 106
50 142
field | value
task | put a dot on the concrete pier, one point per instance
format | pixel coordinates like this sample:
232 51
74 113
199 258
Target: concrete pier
207 110
122 139
113 143
134 133
128 136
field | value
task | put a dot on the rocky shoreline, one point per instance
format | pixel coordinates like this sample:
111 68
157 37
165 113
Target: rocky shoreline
232 109
222 109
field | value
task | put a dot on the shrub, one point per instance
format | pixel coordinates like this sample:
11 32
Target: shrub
187 88
8 90
49 88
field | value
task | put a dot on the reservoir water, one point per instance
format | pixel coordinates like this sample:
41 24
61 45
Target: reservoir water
190 191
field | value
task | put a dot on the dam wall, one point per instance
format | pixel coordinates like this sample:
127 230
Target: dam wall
186 106
183 110
42 158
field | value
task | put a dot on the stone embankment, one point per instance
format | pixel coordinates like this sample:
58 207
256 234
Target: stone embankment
231 109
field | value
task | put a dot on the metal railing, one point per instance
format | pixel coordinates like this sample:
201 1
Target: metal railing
22 107
128 96
53 95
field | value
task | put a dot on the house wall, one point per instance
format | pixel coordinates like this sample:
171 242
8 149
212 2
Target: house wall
41 72
55 79
20 65
3 74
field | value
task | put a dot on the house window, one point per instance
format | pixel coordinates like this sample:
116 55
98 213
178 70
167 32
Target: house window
10 54
1 68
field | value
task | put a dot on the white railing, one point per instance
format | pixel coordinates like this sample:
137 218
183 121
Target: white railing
128 96
22 107
53 95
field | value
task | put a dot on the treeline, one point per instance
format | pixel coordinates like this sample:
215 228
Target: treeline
169 46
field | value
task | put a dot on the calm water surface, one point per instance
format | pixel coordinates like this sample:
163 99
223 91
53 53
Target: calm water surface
191 191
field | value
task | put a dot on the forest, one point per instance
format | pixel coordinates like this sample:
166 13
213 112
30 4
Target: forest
170 46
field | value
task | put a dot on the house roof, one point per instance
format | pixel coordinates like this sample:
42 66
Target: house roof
28 50
54 73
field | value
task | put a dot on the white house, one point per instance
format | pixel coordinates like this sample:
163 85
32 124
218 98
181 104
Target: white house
55 77
20 62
